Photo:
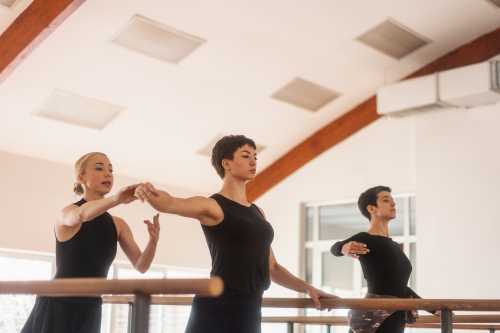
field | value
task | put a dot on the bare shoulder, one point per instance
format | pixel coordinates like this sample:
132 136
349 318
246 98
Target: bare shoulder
66 212
120 224
63 230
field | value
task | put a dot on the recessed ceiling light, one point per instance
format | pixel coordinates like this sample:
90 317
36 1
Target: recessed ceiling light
393 39
67 107
7 3
157 40
305 94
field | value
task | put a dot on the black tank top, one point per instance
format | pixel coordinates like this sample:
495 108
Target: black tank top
240 247
90 252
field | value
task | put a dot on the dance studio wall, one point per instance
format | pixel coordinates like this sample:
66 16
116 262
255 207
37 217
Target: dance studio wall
33 191
380 154
458 195
450 159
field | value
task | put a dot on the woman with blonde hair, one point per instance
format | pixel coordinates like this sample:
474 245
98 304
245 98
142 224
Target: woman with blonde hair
86 244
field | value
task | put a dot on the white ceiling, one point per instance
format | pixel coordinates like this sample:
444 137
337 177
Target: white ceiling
252 49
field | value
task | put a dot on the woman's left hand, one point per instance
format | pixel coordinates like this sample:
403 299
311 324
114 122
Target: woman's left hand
316 295
154 228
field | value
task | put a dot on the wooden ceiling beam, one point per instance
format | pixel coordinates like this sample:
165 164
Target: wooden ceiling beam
30 28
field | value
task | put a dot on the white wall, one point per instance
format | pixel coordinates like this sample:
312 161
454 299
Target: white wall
33 191
458 192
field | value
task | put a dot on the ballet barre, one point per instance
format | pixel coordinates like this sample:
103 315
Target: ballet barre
350 303
446 306
342 320
141 289
490 323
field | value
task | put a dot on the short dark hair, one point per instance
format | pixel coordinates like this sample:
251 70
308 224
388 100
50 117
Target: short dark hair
369 197
225 149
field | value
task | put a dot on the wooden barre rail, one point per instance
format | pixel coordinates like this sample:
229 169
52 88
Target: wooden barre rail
347 303
485 327
342 320
88 287
478 319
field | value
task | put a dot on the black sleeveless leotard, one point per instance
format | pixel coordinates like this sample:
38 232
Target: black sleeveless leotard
239 247
88 254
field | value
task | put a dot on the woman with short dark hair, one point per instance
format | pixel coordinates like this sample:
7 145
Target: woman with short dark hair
385 266
239 239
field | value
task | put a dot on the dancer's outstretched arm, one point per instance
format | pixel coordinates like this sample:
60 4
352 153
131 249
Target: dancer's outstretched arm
205 210
72 215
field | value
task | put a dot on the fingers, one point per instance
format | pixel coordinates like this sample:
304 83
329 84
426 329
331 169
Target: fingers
313 293
150 189
359 248
129 190
153 228
317 303
142 193
355 249
325 295
132 187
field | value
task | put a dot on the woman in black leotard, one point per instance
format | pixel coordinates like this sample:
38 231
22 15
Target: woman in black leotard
239 239
385 266
86 244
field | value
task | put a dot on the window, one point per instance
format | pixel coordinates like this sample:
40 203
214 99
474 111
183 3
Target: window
326 223
15 309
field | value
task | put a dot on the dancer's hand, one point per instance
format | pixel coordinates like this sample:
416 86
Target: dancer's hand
145 191
126 195
154 228
354 249
316 296
415 314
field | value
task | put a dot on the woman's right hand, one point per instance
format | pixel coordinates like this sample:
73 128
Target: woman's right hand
354 249
145 191
126 195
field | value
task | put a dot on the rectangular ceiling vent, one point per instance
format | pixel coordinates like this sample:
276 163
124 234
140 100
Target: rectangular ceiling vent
393 39
8 3
69 108
207 150
494 2
305 94
156 40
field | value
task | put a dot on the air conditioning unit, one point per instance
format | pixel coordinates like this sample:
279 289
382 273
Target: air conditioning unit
468 86
472 85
